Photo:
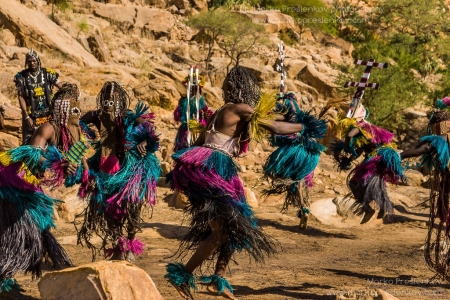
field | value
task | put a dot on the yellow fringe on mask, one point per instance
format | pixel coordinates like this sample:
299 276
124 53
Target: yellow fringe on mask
262 115
345 125
195 127
6 160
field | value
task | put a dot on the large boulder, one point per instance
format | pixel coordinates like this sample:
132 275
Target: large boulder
13 119
320 81
8 141
273 20
336 42
112 280
7 37
148 22
294 67
97 47
32 28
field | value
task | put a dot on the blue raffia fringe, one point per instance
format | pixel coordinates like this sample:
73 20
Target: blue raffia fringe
8 284
177 276
220 282
439 156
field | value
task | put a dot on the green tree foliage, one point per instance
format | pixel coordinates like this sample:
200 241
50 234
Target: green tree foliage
234 33
211 25
307 14
82 26
239 40
413 36
62 5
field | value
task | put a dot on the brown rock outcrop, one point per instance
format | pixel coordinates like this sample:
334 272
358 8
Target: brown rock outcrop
148 22
273 21
112 280
32 28
311 76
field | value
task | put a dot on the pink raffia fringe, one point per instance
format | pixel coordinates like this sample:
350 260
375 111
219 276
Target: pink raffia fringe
135 246
57 174
84 186
309 180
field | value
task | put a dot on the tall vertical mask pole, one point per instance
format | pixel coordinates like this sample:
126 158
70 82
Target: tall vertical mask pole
280 68
362 84
188 109
197 93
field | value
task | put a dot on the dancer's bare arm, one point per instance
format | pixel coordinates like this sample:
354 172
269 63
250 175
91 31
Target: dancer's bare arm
43 135
416 151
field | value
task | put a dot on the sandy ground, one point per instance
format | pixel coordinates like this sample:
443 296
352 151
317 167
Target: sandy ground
317 263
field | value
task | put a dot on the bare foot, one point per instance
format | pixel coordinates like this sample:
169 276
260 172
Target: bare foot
184 292
226 292
368 215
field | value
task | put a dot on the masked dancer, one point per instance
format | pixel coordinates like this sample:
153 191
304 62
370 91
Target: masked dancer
73 139
382 163
221 220
26 213
122 174
435 155
192 111
291 166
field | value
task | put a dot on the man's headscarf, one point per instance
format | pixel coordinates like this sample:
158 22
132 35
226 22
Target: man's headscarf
34 54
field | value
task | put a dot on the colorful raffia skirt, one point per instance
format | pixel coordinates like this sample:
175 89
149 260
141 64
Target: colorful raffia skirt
26 216
368 180
291 163
437 253
210 180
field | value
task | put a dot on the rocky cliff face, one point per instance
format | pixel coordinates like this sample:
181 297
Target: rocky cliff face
148 47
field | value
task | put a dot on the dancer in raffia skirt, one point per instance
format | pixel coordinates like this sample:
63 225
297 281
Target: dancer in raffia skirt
26 212
434 149
122 174
222 223
382 163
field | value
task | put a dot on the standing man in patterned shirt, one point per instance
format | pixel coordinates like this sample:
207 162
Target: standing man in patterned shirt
34 86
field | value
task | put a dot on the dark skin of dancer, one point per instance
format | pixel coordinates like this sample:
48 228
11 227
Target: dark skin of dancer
232 121
419 149
45 135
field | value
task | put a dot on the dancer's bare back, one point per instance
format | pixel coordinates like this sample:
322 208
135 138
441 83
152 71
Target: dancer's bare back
233 118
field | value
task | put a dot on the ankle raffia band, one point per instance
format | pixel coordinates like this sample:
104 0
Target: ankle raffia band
177 276
217 280
7 284
302 211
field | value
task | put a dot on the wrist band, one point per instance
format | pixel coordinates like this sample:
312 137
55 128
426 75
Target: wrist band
28 117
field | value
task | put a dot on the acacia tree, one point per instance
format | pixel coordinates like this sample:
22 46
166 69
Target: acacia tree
239 40
234 33
211 24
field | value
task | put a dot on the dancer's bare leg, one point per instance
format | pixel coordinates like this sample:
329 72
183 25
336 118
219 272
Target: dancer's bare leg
221 266
204 250
304 215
